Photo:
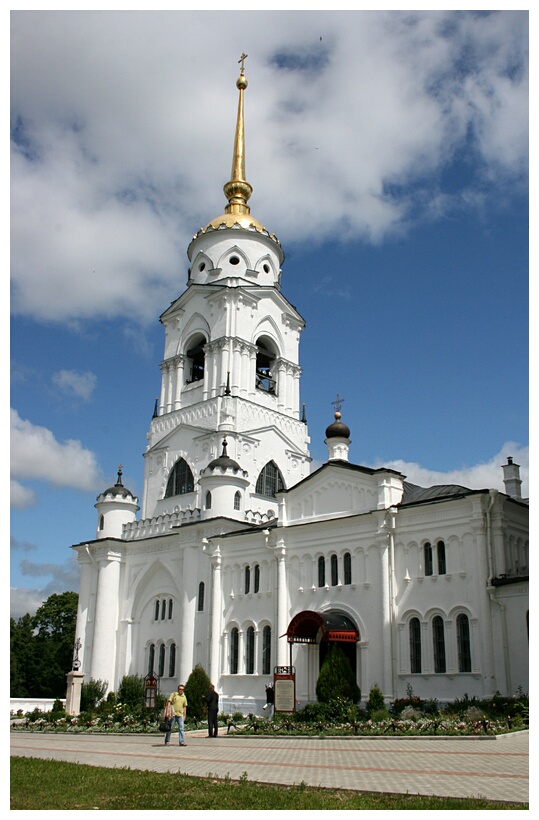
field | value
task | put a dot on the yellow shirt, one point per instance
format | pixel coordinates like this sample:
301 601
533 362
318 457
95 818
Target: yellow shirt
179 703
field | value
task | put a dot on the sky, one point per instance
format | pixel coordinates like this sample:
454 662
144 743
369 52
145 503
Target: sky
388 151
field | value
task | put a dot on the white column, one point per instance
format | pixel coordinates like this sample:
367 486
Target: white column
162 400
282 619
215 636
106 621
87 573
180 362
189 587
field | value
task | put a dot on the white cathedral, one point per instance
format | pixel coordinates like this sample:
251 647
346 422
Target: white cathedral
242 560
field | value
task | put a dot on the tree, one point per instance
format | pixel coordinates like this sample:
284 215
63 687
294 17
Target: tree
22 657
336 679
197 686
54 625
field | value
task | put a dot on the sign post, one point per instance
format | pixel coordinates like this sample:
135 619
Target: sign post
284 687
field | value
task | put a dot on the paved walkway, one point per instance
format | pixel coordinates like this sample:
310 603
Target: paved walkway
492 768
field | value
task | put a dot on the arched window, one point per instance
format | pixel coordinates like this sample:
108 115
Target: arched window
270 481
427 550
170 605
180 480
415 645
257 578
101 522
266 650
201 596
156 613
321 571
237 500
265 367
347 563
161 670
172 661
163 609
250 651
334 561
247 586
438 641
463 643
208 500
195 359
440 552
151 658
234 647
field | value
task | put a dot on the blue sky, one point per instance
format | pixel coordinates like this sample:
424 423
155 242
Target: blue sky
387 151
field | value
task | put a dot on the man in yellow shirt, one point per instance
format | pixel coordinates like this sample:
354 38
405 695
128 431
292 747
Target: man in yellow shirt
178 709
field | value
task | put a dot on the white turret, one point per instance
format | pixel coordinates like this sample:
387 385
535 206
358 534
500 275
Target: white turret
115 507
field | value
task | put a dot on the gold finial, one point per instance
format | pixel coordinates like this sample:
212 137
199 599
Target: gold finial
238 190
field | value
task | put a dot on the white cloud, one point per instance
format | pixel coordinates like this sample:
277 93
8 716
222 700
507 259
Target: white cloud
63 578
123 131
477 477
25 600
20 496
36 454
81 385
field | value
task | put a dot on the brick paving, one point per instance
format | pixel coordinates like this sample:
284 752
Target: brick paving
492 768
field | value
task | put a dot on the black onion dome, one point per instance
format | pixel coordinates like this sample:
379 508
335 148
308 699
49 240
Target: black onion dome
224 461
118 488
338 429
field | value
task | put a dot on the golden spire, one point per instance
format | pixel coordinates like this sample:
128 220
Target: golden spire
238 190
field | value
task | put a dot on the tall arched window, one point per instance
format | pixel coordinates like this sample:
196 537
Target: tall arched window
161 670
266 650
427 551
257 578
247 586
250 651
237 500
201 596
334 570
101 522
347 565
151 658
163 609
180 480
321 571
438 641
208 500
172 660
156 613
265 367
170 605
463 643
234 650
415 645
440 553
270 481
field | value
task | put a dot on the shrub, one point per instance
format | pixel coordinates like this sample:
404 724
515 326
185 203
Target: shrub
376 700
336 679
131 691
91 693
378 715
196 688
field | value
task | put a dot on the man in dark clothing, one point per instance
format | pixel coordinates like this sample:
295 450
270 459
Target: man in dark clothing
212 703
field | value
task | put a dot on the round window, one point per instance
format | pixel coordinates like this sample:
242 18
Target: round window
234 260
266 268
202 266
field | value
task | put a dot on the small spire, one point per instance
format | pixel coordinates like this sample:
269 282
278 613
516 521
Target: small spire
238 190
155 413
303 415
227 388
119 479
225 445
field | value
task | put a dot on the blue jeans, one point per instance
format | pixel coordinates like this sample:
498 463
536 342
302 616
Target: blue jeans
179 720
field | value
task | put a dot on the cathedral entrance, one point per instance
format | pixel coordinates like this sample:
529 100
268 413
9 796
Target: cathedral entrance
320 631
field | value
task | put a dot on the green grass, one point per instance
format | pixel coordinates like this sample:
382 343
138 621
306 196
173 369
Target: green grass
51 785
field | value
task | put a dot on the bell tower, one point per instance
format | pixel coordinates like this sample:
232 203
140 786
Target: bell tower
230 366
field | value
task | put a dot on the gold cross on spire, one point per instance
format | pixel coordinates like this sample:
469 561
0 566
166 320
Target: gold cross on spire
338 402
242 61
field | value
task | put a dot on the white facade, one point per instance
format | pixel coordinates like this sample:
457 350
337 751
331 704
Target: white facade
242 560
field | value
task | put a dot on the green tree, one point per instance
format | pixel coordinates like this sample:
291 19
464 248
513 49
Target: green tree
197 686
92 693
131 691
54 625
336 679
22 657
376 702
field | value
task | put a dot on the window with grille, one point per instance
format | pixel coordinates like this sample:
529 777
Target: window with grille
321 571
463 643
180 480
270 481
250 651
237 500
334 570
234 651
415 645
440 551
347 563
438 640
266 650
427 550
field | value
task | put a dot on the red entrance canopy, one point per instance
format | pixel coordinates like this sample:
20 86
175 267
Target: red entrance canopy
312 627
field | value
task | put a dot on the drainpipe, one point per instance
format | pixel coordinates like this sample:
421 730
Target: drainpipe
391 524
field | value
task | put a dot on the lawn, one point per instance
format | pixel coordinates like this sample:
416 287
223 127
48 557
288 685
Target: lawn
51 785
